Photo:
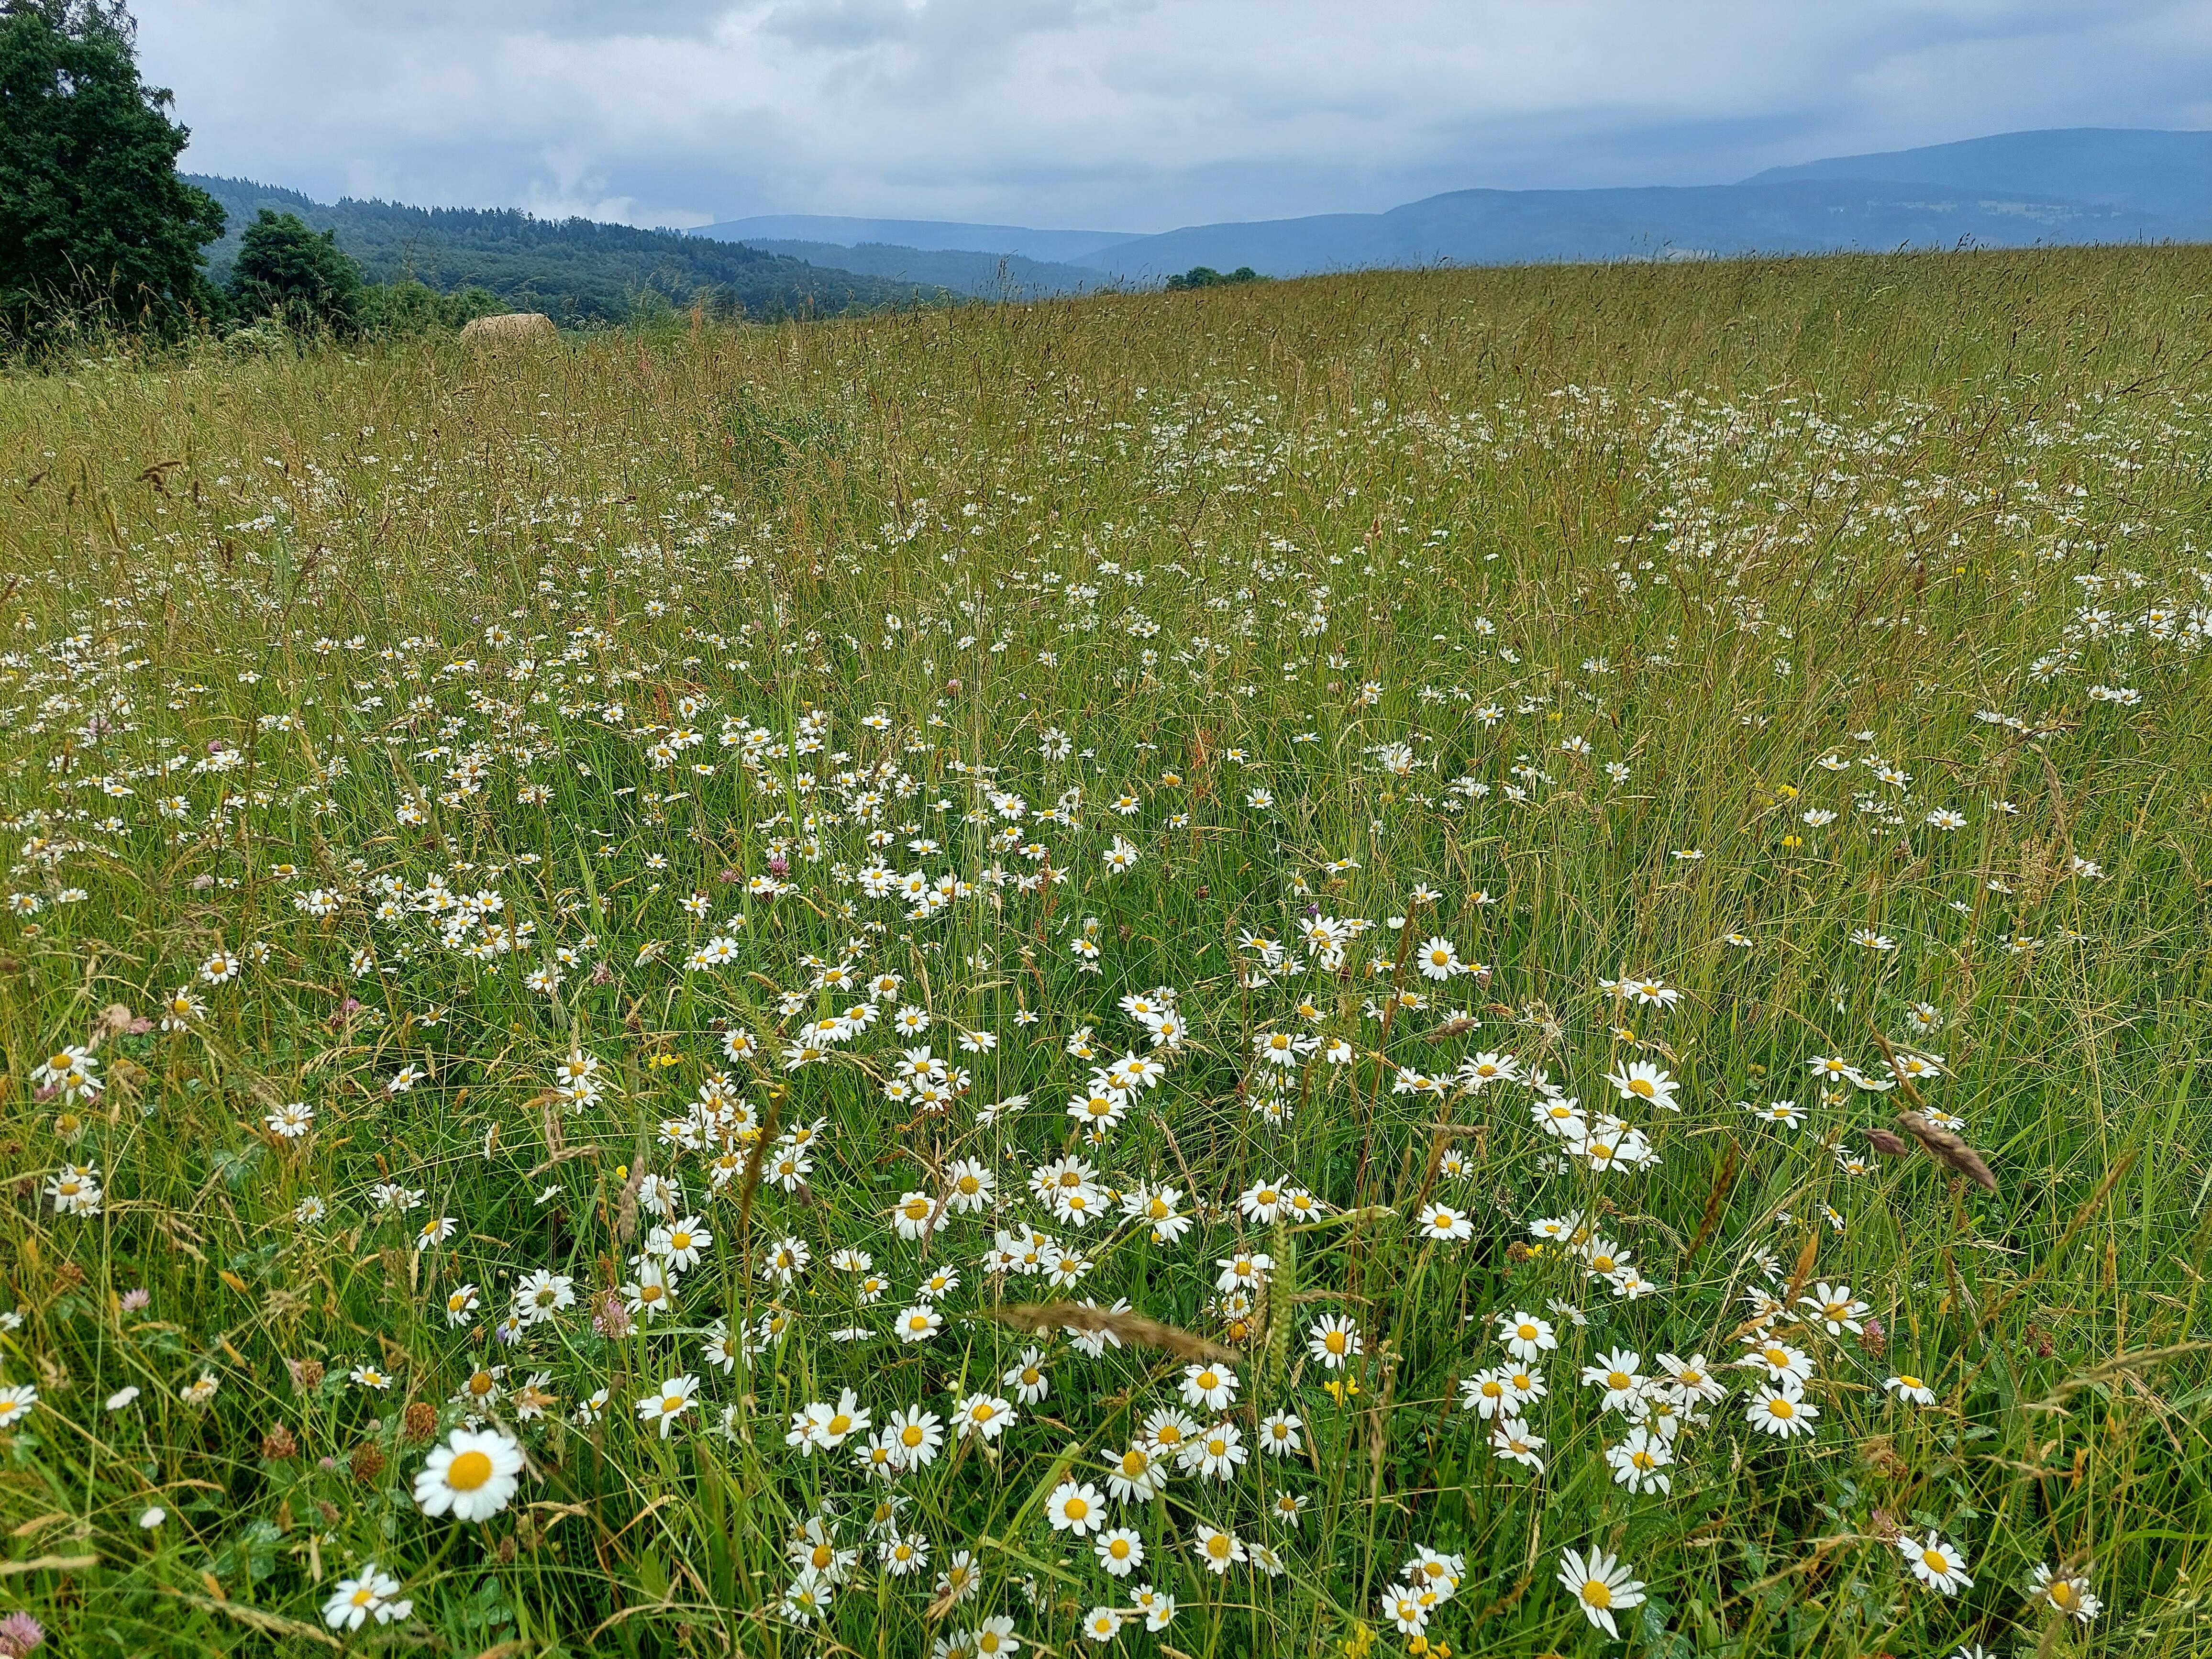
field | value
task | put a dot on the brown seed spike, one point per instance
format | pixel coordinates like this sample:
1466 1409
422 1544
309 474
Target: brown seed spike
1128 1326
1803 1271
1887 1145
1946 1148
1716 1198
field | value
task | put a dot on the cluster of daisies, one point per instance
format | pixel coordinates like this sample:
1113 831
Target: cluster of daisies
911 912
730 1143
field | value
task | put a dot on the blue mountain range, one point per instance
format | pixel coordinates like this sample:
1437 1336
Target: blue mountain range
2073 185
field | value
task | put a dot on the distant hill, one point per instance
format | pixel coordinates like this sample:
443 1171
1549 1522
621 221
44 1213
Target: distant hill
2014 189
1515 226
928 235
2011 190
962 271
575 271
2167 174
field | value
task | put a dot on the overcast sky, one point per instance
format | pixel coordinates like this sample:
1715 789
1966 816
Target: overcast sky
1131 115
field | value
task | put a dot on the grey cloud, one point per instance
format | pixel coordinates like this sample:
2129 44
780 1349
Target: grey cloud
574 20
842 25
1139 114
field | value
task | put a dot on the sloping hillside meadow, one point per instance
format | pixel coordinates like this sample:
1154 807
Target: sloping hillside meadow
1492 962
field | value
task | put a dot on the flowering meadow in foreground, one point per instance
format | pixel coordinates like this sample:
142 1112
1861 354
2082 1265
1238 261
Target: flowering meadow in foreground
1474 963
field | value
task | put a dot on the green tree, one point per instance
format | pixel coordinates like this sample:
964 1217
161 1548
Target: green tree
297 273
1208 276
406 308
93 220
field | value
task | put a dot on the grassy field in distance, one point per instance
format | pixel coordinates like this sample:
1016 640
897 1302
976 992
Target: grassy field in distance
1472 962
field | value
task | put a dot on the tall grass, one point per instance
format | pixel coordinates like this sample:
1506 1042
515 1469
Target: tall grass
1515 609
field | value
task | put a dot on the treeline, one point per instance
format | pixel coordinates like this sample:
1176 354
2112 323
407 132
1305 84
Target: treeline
98 231
285 275
1208 276
577 271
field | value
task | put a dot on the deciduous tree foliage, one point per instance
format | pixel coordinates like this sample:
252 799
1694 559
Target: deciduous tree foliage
94 218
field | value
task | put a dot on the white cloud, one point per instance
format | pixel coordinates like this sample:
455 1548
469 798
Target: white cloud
1132 114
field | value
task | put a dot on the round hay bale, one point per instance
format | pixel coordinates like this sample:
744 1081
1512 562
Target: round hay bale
513 327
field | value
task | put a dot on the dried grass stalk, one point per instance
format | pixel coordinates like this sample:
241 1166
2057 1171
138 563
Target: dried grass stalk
1803 1270
1130 1328
1946 1148
626 1210
1716 1199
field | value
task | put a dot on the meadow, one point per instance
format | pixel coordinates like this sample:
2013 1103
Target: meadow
1457 962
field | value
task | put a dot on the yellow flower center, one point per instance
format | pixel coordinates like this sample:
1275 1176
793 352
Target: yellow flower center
911 1435
469 1471
1781 1408
1598 1593
1077 1509
1935 1561
841 1423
